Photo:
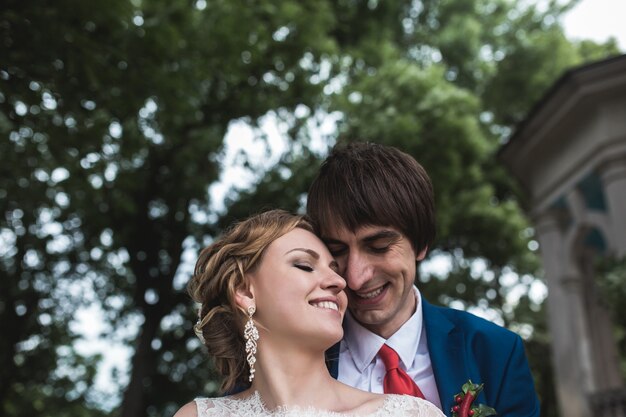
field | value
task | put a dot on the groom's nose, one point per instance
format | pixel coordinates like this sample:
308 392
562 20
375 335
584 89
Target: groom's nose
358 271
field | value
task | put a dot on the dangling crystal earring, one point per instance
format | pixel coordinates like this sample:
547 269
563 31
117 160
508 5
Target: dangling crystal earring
251 334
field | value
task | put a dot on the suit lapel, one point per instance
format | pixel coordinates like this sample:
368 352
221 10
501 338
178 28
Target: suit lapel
446 346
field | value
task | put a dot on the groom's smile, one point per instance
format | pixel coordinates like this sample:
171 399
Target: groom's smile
368 299
372 294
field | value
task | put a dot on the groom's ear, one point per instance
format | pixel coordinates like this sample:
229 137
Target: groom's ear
420 256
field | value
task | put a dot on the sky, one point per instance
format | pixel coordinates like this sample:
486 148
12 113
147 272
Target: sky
590 19
597 20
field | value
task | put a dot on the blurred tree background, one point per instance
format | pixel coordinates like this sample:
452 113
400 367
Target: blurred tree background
113 119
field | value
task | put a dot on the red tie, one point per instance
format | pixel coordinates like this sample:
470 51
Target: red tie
397 381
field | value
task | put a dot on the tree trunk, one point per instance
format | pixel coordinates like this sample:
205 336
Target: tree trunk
144 364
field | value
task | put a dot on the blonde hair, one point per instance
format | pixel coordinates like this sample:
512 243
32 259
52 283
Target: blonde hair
220 271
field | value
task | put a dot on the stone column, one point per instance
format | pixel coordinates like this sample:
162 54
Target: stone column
613 176
569 348
604 354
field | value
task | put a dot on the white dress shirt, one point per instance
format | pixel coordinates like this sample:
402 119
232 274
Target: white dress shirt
360 367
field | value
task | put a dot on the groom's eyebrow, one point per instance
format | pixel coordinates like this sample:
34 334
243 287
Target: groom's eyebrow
309 251
383 234
329 241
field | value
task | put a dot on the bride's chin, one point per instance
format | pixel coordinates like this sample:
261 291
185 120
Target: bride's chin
325 340
335 337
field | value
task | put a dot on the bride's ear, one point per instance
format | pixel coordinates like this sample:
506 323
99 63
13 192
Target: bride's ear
244 295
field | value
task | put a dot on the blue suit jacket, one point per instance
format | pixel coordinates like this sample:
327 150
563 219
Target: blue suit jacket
463 346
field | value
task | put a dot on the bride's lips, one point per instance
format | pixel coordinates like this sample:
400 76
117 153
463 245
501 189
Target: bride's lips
371 296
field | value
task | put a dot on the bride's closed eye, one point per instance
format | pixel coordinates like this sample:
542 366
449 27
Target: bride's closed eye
304 267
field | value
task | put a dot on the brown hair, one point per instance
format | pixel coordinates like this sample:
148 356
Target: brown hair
220 271
371 184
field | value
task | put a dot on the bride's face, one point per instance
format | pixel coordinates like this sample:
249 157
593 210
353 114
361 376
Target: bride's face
298 294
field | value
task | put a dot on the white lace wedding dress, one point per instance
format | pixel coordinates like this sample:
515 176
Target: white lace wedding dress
393 405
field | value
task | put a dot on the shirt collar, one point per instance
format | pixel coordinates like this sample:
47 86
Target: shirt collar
364 345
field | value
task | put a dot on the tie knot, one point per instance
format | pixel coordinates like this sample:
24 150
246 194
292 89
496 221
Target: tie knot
390 357
396 380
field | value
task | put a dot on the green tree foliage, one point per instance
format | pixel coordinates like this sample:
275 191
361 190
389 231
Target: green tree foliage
113 117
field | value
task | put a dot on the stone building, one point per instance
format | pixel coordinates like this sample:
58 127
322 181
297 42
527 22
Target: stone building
570 157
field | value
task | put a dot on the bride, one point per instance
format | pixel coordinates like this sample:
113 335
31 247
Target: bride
271 304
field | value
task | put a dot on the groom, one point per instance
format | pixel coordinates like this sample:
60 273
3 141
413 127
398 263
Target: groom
374 208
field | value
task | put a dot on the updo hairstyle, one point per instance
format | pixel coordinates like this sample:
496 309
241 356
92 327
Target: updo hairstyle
220 271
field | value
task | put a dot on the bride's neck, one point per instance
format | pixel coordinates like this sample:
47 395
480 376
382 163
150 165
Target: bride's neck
292 376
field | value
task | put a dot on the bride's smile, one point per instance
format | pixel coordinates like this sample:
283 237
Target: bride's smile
328 304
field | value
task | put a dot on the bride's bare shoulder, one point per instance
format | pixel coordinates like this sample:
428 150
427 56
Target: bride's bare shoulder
360 402
188 410
372 403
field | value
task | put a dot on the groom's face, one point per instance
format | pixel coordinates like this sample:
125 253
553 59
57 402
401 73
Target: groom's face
378 264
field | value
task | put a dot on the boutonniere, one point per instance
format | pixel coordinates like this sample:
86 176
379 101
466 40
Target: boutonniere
464 402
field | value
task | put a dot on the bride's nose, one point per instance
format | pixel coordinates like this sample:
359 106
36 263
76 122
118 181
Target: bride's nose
334 281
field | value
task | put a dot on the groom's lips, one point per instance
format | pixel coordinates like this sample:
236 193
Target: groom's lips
374 296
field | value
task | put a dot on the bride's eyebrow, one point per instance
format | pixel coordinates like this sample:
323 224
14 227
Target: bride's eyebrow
311 252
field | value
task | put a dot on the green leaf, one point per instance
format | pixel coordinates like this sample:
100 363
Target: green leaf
483 411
